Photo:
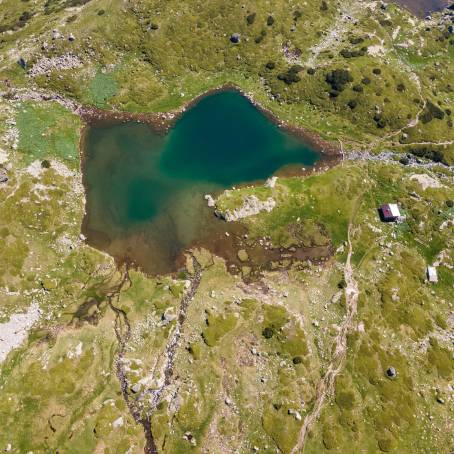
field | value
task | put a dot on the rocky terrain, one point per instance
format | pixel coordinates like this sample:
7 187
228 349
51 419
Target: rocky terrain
351 352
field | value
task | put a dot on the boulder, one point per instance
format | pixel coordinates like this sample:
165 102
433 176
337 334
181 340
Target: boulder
3 176
251 206
118 422
235 38
168 316
271 182
210 200
391 372
135 388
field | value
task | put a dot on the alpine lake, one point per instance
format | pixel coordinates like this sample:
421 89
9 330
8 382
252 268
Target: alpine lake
145 189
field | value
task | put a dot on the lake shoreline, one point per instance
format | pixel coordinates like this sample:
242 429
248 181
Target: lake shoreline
328 157
161 122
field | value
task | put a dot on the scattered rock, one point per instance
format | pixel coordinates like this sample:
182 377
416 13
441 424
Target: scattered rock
71 37
15 331
391 372
251 206
3 176
168 316
135 388
118 422
21 62
271 182
295 413
63 62
210 200
189 437
235 38
440 400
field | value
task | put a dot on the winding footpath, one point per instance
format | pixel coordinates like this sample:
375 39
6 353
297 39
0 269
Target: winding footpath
325 387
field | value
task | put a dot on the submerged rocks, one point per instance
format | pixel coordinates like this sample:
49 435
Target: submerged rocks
251 206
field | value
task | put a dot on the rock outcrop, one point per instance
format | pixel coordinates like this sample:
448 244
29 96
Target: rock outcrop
3 176
210 200
271 182
251 206
46 65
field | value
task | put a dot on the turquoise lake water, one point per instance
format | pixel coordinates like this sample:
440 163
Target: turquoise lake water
145 190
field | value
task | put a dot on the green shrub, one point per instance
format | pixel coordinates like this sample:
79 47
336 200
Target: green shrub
345 399
268 332
250 19
338 78
291 76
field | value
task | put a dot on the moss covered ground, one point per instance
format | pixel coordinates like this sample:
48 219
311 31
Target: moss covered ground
250 354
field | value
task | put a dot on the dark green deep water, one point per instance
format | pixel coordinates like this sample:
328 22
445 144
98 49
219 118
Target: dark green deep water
145 190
